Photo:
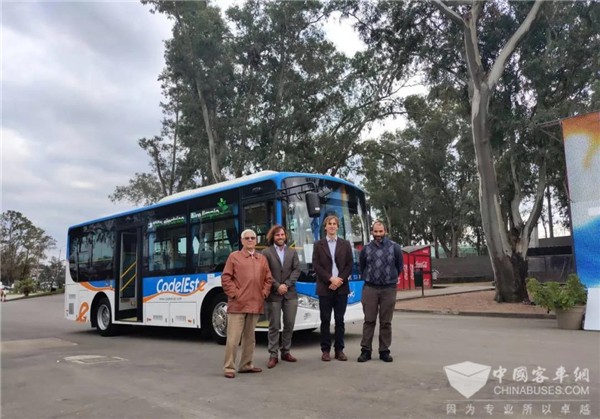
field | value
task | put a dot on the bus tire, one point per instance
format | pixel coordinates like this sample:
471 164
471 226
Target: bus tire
104 324
217 318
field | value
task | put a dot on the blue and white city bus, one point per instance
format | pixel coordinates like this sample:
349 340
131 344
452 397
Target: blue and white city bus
161 265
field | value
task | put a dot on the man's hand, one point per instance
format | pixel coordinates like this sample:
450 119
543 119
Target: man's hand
282 289
335 282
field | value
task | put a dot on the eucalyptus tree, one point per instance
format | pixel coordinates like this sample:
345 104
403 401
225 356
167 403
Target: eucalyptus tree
52 273
261 87
197 55
22 246
449 178
492 52
560 77
420 178
390 185
286 74
301 104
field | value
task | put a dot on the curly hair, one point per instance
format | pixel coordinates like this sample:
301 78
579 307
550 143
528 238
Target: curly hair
272 231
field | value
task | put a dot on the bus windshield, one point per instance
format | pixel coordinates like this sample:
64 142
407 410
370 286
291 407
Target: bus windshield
347 202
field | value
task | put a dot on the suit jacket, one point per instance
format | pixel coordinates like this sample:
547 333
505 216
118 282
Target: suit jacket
287 273
323 263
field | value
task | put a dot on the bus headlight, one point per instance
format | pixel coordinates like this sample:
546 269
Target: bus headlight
305 301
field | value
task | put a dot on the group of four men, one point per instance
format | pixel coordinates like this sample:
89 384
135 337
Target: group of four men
250 278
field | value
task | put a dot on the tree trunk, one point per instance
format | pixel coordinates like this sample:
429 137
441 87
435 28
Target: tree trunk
508 259
212 135
550 221
209 123
506 264
436 250
510 276
445 248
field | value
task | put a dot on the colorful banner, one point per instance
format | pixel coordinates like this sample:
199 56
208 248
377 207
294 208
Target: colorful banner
582 149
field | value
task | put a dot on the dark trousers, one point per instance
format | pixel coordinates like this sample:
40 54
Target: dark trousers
336 303
374 301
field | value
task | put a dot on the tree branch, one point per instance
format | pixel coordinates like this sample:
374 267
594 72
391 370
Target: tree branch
451 14
516 199
511 44
538 205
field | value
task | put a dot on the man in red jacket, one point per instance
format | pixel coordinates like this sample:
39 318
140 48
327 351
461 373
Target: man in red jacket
246 280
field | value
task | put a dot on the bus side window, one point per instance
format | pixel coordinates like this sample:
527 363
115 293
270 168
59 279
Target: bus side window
167 249
259 217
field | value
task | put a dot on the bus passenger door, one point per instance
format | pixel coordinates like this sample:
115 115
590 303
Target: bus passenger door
127 290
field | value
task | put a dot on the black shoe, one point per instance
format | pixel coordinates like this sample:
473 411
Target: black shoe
385 357
364 356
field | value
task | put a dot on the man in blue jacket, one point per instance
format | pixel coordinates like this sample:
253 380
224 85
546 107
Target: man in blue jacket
380 266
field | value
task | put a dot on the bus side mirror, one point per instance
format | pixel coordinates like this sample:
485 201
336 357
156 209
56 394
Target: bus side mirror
313 204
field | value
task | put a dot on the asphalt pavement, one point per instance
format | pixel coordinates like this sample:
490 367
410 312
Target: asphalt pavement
53 368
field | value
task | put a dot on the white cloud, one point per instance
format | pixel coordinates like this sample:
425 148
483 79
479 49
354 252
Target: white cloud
79 88
341 33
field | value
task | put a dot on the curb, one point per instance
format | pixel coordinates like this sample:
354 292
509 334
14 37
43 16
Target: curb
480 314
442 295
37 295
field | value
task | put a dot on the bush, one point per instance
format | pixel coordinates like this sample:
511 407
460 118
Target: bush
552 295
25 286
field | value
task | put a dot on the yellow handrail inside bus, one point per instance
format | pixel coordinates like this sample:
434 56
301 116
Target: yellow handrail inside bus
125 273
128 269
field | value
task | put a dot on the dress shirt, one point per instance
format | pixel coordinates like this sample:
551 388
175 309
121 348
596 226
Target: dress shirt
332 244
280 252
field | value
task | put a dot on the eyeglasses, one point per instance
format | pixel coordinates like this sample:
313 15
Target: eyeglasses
249 238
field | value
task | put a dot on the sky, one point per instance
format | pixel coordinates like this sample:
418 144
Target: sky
79 89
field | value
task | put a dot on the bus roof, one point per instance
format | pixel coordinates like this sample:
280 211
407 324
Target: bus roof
277 177
255 177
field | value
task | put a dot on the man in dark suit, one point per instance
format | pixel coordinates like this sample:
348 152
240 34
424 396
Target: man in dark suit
332 263
285 269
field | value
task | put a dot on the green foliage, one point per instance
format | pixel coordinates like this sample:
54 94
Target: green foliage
513 84
422 180
25 286
52 274
552 295
22 246
259 87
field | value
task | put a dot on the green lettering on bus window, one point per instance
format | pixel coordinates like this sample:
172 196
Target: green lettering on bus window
220 210
167 222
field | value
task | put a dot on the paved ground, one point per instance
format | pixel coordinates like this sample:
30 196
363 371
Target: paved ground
468 299
52 368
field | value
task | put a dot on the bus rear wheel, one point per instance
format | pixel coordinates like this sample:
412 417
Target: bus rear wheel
217 322
104 323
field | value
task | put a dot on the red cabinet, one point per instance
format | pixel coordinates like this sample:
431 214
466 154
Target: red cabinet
415 258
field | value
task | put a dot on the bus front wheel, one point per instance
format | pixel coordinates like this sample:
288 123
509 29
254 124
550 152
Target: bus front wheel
104 323
217 322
